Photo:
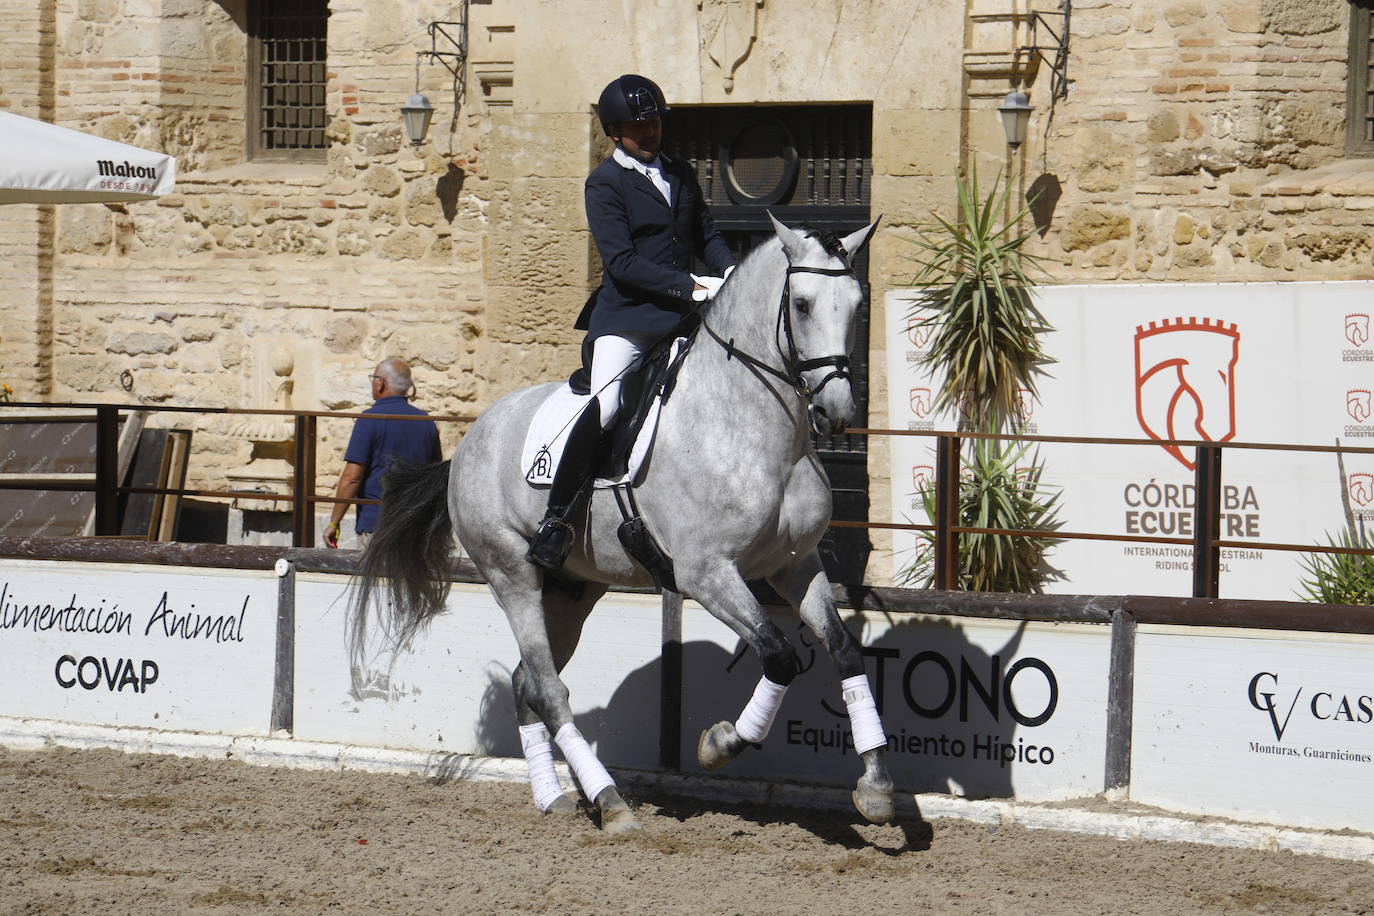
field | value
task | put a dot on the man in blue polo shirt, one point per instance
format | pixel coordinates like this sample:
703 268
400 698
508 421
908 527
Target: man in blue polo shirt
375 442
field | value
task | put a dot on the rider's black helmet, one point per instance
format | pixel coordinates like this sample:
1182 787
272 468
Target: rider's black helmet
630 98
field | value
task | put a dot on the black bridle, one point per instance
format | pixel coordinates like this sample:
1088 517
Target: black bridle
793 364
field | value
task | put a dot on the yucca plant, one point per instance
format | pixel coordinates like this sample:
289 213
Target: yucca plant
1000 489
975 293
1341 578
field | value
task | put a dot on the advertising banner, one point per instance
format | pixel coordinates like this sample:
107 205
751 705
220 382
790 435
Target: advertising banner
1256 725
981 708
451 692
145 646
1263 362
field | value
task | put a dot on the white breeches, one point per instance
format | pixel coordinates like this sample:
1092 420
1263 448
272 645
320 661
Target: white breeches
612 356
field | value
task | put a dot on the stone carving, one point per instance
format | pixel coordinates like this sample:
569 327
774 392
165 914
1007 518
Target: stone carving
728 29
269 468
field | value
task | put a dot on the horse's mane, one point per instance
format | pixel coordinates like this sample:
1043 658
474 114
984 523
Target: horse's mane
829 241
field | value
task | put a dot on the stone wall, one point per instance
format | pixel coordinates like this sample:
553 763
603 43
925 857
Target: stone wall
373 250
1205 141
26 88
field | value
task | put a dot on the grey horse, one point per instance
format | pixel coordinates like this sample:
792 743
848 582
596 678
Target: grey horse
733 491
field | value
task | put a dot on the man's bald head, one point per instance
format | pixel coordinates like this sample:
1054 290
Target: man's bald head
395 376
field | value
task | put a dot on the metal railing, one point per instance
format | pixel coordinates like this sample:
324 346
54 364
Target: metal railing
1206 540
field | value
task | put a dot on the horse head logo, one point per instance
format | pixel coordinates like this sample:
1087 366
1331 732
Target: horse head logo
1185 381
921 402
1357 329
1025 404
922 477
964 402
1357 404
1362 488
919 332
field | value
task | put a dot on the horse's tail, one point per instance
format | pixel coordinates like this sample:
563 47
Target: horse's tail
409 550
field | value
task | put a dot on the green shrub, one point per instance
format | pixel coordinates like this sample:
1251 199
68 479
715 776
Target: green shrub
997 490
1340 578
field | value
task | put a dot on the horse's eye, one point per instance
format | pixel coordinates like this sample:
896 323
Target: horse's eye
803 305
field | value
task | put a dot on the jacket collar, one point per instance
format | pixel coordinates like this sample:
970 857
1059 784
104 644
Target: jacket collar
645 184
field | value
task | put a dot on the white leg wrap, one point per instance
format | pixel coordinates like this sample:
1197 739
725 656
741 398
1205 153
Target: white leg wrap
591 775
753 724
534 740
863 714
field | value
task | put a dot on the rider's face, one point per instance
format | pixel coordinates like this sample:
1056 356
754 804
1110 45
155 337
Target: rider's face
641 139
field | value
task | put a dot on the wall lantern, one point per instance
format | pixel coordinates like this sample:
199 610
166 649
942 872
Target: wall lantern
416 114
1015 111
417 111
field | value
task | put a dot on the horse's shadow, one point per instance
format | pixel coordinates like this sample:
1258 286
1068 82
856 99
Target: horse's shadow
717 684
625 732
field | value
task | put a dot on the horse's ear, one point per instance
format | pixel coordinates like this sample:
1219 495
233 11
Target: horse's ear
791 242
855 242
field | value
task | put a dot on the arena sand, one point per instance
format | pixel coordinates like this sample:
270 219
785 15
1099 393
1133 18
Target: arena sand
98 831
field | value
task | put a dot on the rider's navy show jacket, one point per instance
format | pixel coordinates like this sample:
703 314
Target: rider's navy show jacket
647 248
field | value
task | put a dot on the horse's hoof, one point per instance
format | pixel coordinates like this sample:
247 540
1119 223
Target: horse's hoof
718 745
873 802
565 805
616 816
615 823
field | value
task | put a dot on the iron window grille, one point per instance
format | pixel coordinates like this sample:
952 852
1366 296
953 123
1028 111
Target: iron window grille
1360 83
287 65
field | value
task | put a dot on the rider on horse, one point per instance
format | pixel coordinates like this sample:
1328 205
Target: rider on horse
649 220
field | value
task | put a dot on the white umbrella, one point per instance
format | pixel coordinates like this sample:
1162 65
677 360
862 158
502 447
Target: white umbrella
41 163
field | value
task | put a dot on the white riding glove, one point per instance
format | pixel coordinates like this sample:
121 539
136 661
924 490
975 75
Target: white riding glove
711 286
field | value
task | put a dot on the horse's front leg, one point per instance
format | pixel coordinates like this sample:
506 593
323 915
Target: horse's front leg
542 701
718 587
806 587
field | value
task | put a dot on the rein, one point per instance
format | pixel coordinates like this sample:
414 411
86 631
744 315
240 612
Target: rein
793 365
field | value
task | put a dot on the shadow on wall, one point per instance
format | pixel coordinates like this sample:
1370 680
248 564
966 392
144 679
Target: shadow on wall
1043 197
447 190
943 699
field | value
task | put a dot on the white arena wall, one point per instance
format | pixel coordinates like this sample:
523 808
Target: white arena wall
974 706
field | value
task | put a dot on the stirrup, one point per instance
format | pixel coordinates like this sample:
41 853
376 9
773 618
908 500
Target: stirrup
551 544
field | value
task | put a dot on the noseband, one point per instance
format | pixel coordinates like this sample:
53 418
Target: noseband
793 364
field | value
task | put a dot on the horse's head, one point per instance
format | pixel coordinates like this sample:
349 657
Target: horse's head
817 323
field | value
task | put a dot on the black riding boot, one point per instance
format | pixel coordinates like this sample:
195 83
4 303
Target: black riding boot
554 539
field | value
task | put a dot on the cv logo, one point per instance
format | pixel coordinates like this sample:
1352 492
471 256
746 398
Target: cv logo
1263 700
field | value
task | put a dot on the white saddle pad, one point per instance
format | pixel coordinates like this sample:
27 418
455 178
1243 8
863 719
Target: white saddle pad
548 434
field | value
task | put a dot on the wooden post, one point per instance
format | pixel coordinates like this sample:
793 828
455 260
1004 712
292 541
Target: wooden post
284 674
106 471
303 488
947 513
670 685
1207 522
1120 700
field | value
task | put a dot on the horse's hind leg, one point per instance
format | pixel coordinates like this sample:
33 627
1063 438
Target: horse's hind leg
564 615
539 689
806 587
721 590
